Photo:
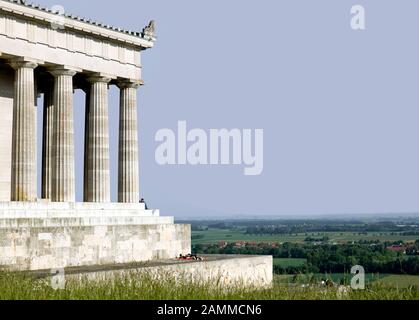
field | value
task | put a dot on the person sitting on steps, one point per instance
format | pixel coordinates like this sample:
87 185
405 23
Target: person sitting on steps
145 204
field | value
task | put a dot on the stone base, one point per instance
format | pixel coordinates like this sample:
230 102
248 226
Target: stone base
45 235
225 270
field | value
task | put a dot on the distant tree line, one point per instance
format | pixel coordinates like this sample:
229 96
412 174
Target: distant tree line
362 228
408 227
375 258
313 239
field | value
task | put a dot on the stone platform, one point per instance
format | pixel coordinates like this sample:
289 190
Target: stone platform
61 214
102 240
221 269
45 235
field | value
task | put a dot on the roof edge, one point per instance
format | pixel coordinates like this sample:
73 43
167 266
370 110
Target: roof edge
144 39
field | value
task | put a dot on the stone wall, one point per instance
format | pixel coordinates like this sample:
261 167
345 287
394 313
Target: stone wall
226 270
222 270
46 248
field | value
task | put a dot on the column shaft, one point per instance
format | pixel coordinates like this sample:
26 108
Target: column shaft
63 174
47 137
128 177
98 172
23 179
86 148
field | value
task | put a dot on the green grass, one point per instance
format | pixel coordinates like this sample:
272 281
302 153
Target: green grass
145 287
370 278
289 262
401 281
386 280
217 235
283 279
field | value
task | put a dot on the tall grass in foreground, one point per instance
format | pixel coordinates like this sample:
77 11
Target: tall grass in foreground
142 286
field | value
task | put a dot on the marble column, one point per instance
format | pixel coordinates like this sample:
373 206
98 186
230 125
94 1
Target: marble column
47 136
98 171
128 176
63 162
86 146
23 175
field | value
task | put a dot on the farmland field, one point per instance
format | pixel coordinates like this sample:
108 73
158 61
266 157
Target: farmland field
388 280
401 281
338 277
229 235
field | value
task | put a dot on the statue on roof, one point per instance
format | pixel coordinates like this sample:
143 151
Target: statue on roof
149 32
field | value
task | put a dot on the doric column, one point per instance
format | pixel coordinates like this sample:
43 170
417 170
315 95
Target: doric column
86 146
128 177
63 174
98 172
47 136
23 179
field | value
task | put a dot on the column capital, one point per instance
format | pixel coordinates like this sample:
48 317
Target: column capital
63 71
18 63
95 78
127 83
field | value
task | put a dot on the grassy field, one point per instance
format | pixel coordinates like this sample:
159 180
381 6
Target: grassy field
217 235
144 287
372 280
401 281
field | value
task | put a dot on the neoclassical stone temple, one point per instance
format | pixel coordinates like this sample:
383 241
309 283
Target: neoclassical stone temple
46 53
43 53
39 56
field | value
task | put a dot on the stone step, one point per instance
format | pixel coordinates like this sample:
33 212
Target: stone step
45 204
16 223
73 213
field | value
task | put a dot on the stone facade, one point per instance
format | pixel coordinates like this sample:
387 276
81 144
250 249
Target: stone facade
44 53
38 248
27 31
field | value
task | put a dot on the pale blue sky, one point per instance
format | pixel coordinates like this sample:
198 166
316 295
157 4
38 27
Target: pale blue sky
339 108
